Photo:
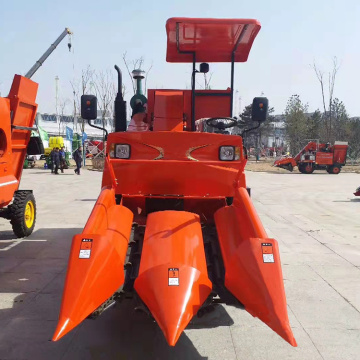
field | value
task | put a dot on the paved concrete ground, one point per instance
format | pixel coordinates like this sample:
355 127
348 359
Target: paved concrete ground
315 218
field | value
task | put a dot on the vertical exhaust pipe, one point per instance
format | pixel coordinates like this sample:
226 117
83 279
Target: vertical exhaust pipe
120 105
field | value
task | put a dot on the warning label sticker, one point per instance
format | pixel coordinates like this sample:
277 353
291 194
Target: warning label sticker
267 252
173 276
85 248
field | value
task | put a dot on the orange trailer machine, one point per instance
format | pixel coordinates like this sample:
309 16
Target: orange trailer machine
174 225
17 117
317 156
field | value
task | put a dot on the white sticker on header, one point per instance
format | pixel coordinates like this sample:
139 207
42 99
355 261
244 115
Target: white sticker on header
85 248
267 252
173 276
268 258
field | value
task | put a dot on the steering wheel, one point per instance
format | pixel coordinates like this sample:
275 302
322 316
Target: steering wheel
221 123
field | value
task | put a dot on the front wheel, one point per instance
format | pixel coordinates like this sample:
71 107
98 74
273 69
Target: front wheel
301 168
23 213
308 168
335 169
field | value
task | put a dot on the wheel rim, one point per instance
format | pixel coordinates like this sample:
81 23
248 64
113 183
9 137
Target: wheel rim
29 214
336 170
308 168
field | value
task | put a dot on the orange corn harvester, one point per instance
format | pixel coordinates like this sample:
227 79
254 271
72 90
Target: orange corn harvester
174 225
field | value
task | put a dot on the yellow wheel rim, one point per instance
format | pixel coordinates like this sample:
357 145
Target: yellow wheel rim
29 214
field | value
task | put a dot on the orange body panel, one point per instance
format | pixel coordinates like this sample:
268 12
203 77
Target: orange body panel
173 280
252 264
21 103
323 158
182 163
206 105
285 161
8 182
340 152
96 262
213 40
168 112
22 98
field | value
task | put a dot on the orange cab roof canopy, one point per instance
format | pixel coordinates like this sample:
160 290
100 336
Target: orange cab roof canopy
210 40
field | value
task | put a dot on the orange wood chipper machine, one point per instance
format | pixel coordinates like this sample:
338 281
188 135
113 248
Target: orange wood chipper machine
174 226
317 156
17 117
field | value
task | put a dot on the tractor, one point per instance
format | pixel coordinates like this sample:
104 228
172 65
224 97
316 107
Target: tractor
174 227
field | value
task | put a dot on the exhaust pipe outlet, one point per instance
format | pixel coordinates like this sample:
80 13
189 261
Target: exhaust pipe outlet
120 105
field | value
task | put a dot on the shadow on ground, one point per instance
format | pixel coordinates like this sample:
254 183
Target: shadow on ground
93 200
32 276
347 201
122 333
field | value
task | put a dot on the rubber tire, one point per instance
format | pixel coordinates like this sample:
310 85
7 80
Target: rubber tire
301 168
17 213
337 169
308 169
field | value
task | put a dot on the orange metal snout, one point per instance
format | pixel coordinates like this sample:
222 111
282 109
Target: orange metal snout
252 264
96 263
173 280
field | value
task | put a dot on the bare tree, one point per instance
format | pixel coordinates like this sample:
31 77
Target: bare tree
207 81
81 87
63 104
105 91
320 76
127 65
331 85
136 64
147 72
332 77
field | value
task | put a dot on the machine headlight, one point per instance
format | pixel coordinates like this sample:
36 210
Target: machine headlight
229 153
122 151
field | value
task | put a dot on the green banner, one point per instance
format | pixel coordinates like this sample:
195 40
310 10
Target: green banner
43 134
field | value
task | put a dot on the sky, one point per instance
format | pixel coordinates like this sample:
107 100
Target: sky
294 34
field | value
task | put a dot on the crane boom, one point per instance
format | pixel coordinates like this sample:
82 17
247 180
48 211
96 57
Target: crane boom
46 54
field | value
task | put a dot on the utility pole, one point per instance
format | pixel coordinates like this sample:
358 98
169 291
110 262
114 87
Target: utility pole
236 111
57 100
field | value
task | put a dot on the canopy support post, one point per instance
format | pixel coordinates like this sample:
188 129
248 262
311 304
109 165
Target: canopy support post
232 82
243 31
193 94
192 76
